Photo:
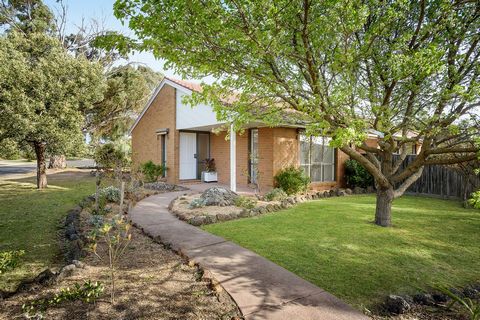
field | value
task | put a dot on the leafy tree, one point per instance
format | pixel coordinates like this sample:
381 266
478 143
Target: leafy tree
128 88
42 92
407 69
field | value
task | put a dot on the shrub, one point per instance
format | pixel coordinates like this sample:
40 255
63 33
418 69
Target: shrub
152 171
87 292
111 194
9 260
197 203
245 202
275 195
474 201
356 175
292 180
110 156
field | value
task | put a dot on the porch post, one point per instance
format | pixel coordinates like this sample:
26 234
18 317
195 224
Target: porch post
233 158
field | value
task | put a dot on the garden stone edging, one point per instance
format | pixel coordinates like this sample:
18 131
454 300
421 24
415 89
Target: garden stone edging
259 210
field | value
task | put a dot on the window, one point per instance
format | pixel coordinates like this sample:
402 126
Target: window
163 141
253 155
317 158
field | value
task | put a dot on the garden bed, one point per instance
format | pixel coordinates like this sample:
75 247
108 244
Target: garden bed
208 214
153 282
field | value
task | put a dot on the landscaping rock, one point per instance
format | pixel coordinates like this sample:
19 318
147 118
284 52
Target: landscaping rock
423 299
348 191
320 195
332 193
244 213
66 271
218 196
341 193
370 189
396 304
471 292
358 190
46 277
326 194
197 221
439 297
262 210
270 207
79 264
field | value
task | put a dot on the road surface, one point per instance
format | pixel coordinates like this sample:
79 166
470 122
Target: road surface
8 167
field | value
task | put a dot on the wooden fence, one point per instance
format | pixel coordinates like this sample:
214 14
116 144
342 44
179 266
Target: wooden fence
443 181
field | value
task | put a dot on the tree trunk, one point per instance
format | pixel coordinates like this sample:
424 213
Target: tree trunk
57 162
383 211
41 165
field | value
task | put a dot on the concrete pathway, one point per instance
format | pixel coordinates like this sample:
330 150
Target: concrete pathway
261 289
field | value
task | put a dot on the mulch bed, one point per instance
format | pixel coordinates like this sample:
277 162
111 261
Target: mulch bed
152 282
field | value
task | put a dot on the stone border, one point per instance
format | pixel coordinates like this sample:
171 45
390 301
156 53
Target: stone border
269 208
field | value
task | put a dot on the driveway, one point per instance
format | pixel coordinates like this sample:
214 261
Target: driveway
9 167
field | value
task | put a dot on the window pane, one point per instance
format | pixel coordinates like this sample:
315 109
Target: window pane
304 151
328 155
316 172
305 169
317 151
328 172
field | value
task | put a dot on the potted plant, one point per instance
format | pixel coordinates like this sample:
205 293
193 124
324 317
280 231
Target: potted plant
210 173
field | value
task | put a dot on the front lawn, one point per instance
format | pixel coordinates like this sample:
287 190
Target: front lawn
30 220
332 243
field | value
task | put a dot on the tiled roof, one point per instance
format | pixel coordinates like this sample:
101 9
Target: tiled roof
187 84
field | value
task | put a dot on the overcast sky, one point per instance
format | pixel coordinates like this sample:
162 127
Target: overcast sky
102 10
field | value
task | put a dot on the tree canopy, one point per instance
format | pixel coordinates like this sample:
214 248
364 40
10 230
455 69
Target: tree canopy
43 92
408 71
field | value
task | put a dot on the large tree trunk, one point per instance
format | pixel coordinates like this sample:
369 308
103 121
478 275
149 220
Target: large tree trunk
57 162
383 211
41 165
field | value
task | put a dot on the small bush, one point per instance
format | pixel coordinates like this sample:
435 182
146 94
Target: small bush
276 194
292 180
111 194
197 203
356 175
474 201
87 292
245 202
110 156
151 171
9 260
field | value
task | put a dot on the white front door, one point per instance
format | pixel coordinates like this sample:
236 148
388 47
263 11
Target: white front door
188 162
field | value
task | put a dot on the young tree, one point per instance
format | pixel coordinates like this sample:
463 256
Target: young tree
42 90
407 69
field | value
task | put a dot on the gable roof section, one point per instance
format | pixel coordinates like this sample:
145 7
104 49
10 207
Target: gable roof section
185 86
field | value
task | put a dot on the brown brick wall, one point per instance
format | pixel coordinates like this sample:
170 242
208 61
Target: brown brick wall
220 151
145 143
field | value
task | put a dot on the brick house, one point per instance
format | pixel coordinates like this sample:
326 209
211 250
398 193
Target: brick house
181 137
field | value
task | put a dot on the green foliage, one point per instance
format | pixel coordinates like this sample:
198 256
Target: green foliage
245 202
292 180
9 260
474 201
115 235
469 305
152 171
87 292
356 175
128 89
111 156
110 193
275 195
44 91
197 203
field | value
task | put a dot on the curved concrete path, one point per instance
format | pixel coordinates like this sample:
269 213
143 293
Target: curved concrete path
261 289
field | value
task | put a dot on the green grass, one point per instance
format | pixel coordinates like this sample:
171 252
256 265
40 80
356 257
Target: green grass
30 220
333 244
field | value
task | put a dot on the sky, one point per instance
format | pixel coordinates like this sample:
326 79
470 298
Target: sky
102 10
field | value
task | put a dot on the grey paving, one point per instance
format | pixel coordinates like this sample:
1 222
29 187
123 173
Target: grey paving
261 289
